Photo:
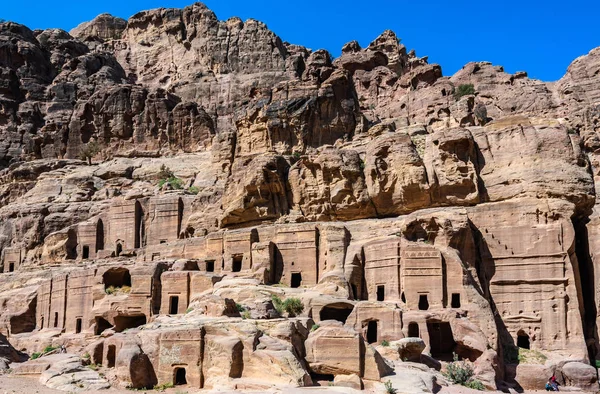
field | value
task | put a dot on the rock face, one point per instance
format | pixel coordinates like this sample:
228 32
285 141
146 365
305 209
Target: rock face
194 202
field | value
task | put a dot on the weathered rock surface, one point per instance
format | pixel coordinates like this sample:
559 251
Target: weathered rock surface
192 201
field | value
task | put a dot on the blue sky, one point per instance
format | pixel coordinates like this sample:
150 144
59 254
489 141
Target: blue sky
540 37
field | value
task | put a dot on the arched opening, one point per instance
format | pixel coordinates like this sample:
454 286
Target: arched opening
372 331
403 297
122 323
111 355
179 377
339 311
116 278
85 252
119 249
455 300
523 340
174 305
78 326
381 293
296 280
139 226
236 265
423 302
413 330
441 341
42 323
99 235
179 217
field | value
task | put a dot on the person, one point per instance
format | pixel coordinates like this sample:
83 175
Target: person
552 385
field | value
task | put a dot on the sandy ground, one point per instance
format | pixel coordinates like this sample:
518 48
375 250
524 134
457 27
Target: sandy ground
19 384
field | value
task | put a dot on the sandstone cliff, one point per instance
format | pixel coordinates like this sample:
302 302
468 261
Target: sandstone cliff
166 181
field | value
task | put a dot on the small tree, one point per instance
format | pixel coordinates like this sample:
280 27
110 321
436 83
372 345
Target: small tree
165 172
464 90
293 306
90 150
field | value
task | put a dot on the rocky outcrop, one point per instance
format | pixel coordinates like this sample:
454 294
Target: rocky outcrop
191 201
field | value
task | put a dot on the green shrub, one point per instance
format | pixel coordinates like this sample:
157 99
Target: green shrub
461 372
240 308
48 349
389 389
246 314
362 165
597 363
475 385
296 155
163 387
193 190
293 306
188 310
464 90
36 355
385 343
315 327
174 182
277 304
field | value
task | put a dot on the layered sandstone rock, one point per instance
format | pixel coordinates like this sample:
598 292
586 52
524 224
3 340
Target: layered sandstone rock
192 201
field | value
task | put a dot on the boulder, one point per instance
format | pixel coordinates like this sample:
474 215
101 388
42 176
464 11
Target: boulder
580 375
353 381
409 349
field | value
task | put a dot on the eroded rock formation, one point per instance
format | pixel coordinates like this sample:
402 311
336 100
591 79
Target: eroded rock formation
192 201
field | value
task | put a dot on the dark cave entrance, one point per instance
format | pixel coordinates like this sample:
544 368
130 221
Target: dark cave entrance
102 325
380 293
523 340
179 379
413 330
116 277
179 217
111 355
210 266
423 302
122 323
339 312
296 280
99 235
372 331
441 341
174 305
455 303
139 226
236 265
78 324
